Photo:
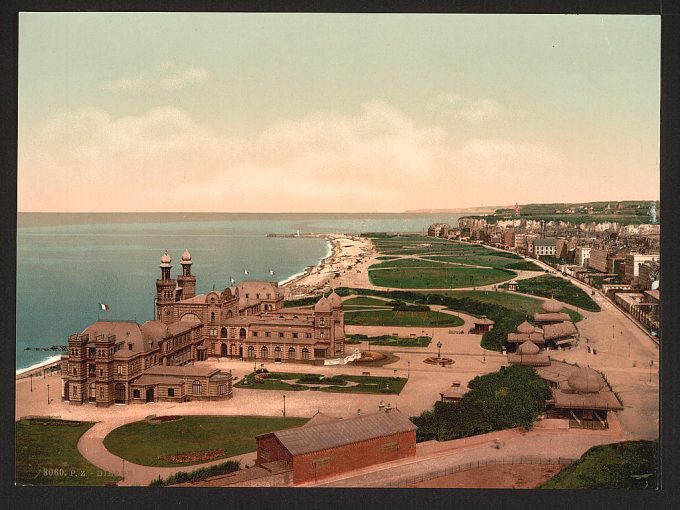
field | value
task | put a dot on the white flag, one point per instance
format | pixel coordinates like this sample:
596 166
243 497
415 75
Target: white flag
246 271
271 272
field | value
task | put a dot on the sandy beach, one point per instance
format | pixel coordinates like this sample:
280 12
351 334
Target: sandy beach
349 259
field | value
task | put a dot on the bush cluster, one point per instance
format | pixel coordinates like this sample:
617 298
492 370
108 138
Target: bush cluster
509 398
198 474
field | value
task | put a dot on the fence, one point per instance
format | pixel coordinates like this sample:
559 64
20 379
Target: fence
519 459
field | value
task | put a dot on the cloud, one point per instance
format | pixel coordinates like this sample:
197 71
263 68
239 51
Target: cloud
166 76
474 111
377 159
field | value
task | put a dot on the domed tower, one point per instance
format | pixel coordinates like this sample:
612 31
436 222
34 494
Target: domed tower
186 280
165 291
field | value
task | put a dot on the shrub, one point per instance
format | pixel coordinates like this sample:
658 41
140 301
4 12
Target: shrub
500 400
198 474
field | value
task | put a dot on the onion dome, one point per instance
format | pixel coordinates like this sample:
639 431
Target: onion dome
186 256
322 305
552 306
165 259
585 380
334 300
528 347
525 328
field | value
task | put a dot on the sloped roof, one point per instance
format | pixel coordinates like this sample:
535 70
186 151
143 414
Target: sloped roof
603 400
483 320
552 305
125 331
183 371
559 330
536 337
525 328
551 317
535 360
528 347
332 434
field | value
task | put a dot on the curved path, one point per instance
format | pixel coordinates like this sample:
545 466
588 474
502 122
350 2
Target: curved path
91 446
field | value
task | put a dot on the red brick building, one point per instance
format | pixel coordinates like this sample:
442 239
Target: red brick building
327 446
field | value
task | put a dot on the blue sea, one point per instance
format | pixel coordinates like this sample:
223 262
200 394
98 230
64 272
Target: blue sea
69 263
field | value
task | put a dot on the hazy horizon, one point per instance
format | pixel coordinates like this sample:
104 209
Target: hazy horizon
334 113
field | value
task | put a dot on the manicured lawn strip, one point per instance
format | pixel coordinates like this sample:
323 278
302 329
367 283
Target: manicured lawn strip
383 257
446 277
625 465
143 443
409 262
366 384
364 301
500 400
558 288
527 305
392 318
493 259
390 340
47 454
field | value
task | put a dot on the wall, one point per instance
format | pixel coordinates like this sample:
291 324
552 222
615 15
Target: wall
353 456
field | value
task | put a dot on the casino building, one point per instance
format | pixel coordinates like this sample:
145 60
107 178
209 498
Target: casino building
121 362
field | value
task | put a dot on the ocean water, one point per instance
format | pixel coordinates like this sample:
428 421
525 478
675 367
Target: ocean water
68 263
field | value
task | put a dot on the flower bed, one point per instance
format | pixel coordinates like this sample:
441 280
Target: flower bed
204 456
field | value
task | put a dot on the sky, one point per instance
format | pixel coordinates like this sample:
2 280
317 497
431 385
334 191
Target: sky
259 112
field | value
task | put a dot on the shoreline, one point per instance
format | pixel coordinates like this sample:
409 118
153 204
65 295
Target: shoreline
334 250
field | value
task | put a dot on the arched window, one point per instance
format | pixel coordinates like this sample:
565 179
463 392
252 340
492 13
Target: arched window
230 314
277 352
305 353
93 392
291 353
251 351
212 316
232 349
196 387
264 352
223 332
242 333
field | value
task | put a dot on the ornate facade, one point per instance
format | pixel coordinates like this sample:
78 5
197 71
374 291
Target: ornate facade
248 321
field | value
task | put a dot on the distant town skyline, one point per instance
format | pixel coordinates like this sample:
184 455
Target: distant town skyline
235 112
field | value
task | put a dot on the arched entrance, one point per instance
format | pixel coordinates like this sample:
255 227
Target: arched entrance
305 353
277 353
264 352
119 394
242 333
93 393
232 350
66 388
149 395
291 353
223 350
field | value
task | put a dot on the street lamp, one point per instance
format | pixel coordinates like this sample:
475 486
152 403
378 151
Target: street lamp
31 382
439 350
284 404
484 358
408 370
651 362
48 394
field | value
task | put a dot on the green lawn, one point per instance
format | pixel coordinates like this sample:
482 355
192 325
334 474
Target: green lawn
626 465
392 318
559 288
411 262
391 340
527 305
492 259
445 277
366 384
144 443
364 301
47 454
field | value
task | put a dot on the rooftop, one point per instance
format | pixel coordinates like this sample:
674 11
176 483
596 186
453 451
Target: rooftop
332 434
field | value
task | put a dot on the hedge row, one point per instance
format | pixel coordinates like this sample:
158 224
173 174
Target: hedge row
199 474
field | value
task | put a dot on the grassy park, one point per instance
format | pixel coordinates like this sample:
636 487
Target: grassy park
437 277
47 454
523 304
364 302
399 318
560 289
146 443
289 381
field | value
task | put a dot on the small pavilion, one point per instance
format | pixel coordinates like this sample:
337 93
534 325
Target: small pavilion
528 353
482 325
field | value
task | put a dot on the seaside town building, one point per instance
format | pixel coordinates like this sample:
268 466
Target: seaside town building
121 362
544 247
248 321
327 446
438 230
